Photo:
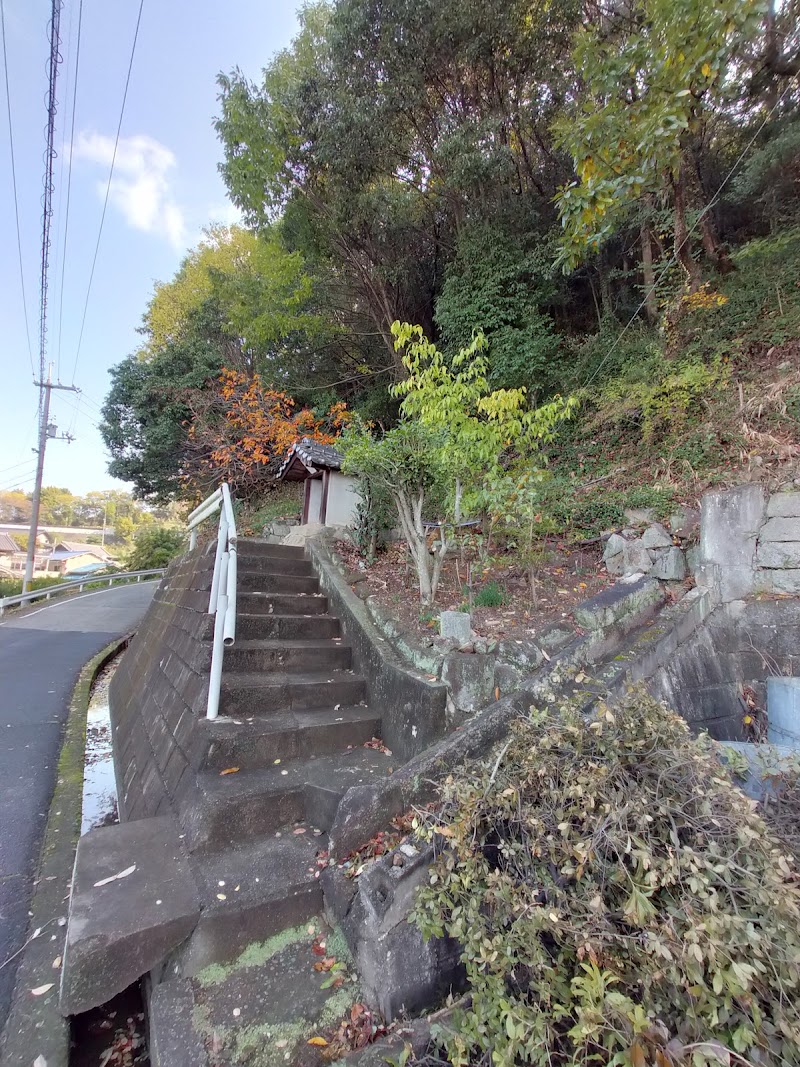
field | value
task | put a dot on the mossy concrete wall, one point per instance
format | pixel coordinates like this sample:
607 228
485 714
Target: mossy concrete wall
159 692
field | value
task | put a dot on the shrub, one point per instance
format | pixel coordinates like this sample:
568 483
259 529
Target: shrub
155 546
490 595
618 899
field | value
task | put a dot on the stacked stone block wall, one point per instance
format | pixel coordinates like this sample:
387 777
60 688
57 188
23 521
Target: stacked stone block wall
159 691
749 543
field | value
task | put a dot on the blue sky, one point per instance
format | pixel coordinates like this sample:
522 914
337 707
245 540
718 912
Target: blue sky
165 190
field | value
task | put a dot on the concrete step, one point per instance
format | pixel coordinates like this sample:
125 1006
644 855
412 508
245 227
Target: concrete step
286 627
281 603
271 582
267 886
259 563
297 654
247 694
251 744
253 547
251 805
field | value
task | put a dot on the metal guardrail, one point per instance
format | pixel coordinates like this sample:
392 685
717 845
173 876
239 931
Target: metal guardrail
76 584
222 601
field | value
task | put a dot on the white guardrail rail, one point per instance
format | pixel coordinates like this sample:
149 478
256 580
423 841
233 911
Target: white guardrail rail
222 602
72 585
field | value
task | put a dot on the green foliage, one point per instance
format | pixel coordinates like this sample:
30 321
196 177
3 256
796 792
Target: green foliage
490 595
618 900
405 465
646 81
147 413
155 546
496 287
283 498
13 586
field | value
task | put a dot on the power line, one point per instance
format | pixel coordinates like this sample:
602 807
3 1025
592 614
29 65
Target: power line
108 186
14 184
69 187
53 62
13 466
674 258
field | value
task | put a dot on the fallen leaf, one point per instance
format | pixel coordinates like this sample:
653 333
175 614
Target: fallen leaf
57 962
497 692
40 1061
229 770
41 989
299 830
221 896
581 677
320 1041
114 877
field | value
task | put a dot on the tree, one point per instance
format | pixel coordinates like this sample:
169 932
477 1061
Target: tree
154 547
146 415
455 445
241 430
15 506
651 72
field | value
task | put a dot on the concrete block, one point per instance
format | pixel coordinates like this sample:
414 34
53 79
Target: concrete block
122 927
637 558
613 554
456 624
470 680
778 554
780 528
173 1040
730 522
656 536
399 972
783 712
784 505
671 567
621 600
685 523
786 582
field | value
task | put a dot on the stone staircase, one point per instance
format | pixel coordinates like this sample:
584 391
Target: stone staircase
291 731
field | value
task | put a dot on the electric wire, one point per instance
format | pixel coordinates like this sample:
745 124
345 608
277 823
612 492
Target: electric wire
69 188
13 466
14 186
674 258
108 188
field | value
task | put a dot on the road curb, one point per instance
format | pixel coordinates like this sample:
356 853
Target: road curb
35 1026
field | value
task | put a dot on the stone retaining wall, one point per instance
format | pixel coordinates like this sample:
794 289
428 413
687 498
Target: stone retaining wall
749 543
159 692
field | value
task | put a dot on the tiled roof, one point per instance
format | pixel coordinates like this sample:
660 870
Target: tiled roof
80 547
313 456
7 543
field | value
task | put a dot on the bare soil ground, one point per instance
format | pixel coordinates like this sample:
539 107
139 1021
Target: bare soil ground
566 576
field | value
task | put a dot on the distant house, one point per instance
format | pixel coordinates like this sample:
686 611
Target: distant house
74 557
12 558
330 497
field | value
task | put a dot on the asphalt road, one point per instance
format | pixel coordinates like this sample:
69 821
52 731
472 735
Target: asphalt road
42 653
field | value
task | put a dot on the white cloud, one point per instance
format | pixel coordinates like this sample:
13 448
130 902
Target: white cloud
225 213
140 187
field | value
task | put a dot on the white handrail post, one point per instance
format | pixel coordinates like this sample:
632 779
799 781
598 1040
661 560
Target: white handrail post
218 648
229 628
222 539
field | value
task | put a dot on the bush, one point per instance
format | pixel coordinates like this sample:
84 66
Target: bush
13 586
155 546
490 595
618 900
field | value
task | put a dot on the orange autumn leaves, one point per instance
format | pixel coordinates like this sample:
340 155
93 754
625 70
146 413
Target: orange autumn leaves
243 428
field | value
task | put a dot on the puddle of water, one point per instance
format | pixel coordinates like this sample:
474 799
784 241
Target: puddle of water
99 786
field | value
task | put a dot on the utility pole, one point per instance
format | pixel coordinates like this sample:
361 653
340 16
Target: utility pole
46 431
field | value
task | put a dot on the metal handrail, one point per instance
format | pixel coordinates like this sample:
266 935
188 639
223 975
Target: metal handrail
222 600
73 584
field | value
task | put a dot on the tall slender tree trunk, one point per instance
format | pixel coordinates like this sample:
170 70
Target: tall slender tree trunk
683 247
650 298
